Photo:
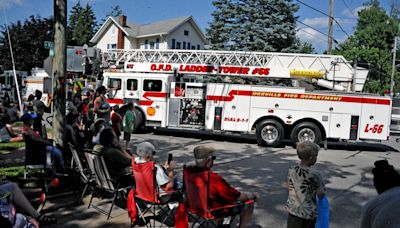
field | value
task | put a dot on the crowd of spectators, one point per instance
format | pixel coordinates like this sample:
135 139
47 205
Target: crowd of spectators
91 123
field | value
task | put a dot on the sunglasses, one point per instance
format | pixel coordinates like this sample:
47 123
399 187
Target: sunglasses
154 152
213 157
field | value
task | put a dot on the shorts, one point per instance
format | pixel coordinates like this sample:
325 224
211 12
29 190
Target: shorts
127 136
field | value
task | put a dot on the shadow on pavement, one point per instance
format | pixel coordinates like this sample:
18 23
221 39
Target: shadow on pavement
248 138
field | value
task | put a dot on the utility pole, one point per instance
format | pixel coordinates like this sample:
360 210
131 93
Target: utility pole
330 27
393 67
59 67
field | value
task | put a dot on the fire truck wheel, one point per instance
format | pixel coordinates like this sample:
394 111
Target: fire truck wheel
269 133
306 131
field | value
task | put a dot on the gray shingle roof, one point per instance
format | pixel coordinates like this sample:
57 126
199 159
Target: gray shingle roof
160 27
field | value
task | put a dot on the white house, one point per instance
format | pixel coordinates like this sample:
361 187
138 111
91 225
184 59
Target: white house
177 33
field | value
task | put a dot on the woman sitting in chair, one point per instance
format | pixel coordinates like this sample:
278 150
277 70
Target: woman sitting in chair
37 141
164 175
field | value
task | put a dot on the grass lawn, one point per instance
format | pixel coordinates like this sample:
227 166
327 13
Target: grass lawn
6 148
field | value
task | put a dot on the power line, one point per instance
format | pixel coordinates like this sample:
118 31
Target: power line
309 33
348 8
341 28
335 41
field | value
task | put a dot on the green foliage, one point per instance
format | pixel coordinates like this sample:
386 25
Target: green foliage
255 25
12 171
372 43
10 146
82 25
27 42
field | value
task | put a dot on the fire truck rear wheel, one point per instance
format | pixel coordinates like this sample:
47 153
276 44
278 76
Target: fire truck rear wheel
306 131
269 133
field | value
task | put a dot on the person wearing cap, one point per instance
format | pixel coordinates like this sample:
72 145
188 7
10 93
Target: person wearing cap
384 209
221 193
118 161
164 175
37 141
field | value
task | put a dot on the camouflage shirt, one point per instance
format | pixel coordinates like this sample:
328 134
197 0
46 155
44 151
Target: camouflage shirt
303 184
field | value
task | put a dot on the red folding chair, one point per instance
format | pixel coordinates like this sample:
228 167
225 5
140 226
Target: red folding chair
196 185
146 190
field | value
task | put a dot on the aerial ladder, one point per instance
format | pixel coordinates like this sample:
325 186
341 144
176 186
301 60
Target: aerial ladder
328 71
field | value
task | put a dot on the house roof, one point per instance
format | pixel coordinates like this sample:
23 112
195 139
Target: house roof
164 27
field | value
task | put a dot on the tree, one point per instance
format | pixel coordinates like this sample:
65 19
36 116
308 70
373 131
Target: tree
27 41
82 24
115 12
254 25
372 43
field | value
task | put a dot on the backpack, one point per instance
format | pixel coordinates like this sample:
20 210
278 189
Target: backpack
131 206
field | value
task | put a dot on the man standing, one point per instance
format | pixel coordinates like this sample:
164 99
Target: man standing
220 192
39 108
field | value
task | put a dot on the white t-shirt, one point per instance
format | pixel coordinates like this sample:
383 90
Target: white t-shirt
161 176
383 210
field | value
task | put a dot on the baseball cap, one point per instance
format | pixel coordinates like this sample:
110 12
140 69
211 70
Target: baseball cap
203 152
144 148
28 116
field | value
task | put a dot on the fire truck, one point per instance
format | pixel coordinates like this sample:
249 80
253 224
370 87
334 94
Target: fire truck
178 89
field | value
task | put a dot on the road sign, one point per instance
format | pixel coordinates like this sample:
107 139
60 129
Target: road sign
49 45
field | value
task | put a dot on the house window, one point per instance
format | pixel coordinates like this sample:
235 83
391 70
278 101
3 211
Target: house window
152 45
152 85
111 46
173 44
186 32
188 47
198 47
193 47
146 44
157 43
178 45
131 84
183 45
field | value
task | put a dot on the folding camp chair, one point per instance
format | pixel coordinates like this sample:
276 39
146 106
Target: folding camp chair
196 186
147 191
86 176
36 158
103 181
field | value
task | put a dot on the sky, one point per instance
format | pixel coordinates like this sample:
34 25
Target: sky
147 11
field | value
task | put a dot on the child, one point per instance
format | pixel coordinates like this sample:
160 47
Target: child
116 121
304 184
128 124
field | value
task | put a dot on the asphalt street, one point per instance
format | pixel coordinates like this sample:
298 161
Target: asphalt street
248 167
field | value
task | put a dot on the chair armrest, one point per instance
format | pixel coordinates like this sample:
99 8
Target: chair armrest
232 205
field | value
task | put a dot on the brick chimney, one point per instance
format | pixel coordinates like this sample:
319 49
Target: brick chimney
122 22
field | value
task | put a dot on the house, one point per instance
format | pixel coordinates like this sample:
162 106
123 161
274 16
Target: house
177 33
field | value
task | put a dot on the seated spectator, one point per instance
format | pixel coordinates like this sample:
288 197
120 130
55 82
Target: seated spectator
12 112
73 133
116 121
12 198
37 141
7 133
96 128
220 192
118 161
164 175
384 209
